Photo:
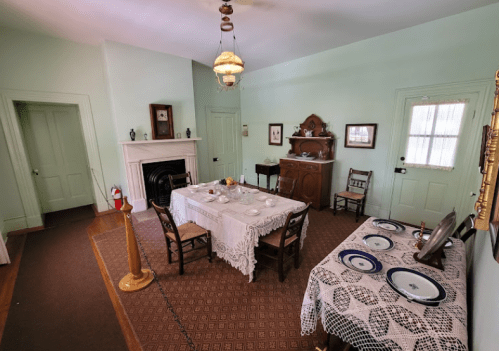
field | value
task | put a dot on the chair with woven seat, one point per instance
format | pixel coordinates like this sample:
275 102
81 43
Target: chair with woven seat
182 236
469 224
284 241
285 187
358 197
176 182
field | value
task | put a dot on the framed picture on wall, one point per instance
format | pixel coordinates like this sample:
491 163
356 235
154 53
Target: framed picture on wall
161 121
275 134
361 135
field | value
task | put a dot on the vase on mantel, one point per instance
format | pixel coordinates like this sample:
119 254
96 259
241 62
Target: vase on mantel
188 133
132 134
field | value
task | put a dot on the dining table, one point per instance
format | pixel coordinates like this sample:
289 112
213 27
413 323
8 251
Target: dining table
235 225
364 309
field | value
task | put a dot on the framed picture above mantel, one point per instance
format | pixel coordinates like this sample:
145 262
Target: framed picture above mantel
161 121
361 135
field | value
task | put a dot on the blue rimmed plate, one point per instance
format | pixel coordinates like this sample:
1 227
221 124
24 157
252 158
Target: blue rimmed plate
378 242
416 286
360 261
426 235
389 225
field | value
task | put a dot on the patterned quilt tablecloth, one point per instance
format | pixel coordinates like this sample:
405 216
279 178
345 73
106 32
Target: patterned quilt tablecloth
365 311
234 233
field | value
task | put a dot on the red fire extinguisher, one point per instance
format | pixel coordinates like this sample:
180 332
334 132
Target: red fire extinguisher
117 196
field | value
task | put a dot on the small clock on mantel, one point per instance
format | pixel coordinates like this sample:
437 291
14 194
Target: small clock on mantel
161 121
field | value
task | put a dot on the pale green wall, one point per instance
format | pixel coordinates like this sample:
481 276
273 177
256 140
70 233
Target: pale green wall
139 77
485 295
357 84
206 95
31 62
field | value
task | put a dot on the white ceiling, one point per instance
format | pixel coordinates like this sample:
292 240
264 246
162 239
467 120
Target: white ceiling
268 32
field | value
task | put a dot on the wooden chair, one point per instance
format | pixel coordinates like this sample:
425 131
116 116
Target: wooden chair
182 236
469 224
348 196
285 187
175 184
284 241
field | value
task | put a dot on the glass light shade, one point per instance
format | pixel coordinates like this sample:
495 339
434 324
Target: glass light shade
228 63
229 80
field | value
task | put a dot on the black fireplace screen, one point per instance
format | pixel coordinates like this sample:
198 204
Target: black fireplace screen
156 180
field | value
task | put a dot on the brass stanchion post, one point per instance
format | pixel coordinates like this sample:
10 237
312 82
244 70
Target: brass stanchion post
138 278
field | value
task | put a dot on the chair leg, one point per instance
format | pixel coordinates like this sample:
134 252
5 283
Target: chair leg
297 255
363 206
169 250
180 259
357 211
335 203
208 245
280 264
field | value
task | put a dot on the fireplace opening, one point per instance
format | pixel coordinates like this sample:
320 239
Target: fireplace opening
156 180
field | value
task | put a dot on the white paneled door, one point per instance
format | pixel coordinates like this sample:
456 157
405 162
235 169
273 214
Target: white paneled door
430 161
54 141
224 143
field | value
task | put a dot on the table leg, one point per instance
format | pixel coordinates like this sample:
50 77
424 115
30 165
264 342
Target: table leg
268 182
258 180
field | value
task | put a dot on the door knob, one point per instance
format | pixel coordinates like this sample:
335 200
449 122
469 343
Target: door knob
35 171
400 170
215 159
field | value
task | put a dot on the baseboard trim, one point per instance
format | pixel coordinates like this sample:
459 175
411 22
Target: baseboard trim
25 231
102 213
14 224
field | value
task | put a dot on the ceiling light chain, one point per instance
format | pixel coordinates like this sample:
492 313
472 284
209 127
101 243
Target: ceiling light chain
227 63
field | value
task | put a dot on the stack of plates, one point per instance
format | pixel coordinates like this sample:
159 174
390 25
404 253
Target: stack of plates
252 212
208 198
360 261
416 286
389 225
253 191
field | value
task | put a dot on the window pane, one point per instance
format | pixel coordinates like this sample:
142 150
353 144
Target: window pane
417 150
442 152
422 119
449 119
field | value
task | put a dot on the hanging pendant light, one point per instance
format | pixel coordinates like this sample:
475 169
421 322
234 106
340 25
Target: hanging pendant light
227 63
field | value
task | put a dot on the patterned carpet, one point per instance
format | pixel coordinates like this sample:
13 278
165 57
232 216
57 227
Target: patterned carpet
216 305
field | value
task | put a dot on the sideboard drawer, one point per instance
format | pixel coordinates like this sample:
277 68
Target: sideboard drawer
289 164
311 167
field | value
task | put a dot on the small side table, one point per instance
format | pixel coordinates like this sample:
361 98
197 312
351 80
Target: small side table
267 169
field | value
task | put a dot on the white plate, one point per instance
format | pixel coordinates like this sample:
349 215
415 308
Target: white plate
195 187
202 184
252 212
378 242
222 200
416 286
207 198
262 198
215 182
253 191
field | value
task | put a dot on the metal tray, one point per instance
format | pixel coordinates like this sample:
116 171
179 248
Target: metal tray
439 235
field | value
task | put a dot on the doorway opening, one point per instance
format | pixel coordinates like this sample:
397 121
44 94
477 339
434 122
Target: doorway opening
53 138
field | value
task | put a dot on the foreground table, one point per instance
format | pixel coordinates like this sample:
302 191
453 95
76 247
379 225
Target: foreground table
234 234
363 310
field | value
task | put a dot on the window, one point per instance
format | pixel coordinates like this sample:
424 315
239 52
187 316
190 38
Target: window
433 134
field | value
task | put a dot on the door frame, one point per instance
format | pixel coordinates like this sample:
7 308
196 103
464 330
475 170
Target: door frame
209 111
481 87
18 153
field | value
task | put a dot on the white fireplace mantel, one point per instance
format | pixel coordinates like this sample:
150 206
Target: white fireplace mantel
139 152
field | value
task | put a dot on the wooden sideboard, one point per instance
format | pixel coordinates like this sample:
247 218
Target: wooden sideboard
313 180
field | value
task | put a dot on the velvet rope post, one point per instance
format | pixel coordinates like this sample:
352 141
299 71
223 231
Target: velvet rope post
138 278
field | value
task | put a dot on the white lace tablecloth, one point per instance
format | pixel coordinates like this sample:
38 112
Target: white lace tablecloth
363 310
234 234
